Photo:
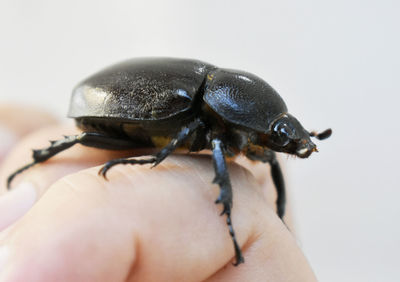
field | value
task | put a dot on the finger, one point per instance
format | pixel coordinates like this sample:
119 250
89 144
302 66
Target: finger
17 121
146 224
29 186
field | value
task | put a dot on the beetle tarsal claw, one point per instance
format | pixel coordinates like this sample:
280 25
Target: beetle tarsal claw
103 171
226 210
238 261
156 162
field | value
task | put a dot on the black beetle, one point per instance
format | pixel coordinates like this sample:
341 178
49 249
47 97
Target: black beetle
171 103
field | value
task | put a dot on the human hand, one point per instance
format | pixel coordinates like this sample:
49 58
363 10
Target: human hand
143 224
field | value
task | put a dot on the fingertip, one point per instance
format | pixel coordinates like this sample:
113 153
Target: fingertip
16 203
8 139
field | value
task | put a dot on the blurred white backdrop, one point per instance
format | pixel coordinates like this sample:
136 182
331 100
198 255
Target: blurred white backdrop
336 64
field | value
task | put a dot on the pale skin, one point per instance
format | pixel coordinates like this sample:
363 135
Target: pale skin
142 224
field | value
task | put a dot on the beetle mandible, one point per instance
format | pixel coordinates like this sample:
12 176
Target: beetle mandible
194 105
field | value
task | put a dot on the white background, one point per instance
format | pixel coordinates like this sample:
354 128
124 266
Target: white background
336 64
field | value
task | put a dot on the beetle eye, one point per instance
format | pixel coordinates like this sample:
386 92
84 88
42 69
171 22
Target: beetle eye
283 132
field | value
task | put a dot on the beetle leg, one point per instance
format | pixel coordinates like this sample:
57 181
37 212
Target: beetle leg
110 164
225 196
277 176
86 138
161 155
182 136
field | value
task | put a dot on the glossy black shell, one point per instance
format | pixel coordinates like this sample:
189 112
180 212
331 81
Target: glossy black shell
140 89
155 89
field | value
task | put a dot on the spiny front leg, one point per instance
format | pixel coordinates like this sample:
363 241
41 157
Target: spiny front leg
225 196
90 139
182 136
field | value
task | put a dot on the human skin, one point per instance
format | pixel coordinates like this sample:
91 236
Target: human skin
62 222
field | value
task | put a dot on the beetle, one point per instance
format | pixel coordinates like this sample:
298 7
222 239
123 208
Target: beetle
171 103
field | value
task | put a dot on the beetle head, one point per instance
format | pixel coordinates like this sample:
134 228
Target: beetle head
288 135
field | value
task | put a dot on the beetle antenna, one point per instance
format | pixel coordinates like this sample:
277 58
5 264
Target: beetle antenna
323 135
